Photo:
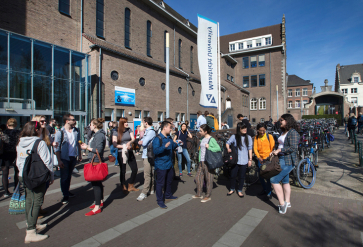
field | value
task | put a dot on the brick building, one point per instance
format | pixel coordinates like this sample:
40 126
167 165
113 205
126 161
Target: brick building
258 59
298 94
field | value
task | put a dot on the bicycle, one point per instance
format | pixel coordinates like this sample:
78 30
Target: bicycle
305 172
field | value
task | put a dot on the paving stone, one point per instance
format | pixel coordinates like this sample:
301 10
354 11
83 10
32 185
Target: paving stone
232 239
249 220
91 242
254 212
125 227
242 229
141 219
106 236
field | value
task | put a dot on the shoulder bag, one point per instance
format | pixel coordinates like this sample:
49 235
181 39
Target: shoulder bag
95 171
213 160
270 167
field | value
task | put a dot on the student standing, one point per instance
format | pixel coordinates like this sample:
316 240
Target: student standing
182 135
97 143
200 120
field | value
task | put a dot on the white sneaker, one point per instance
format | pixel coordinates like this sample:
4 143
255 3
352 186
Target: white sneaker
151 192
141 197
75 170
288 204
283 208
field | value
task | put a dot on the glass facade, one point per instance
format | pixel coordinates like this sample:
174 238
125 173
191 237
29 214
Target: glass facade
38 78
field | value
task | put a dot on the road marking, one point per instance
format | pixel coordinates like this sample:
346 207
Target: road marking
242 229
122 228
73 186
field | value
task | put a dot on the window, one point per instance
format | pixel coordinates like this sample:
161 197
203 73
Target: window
353 90
262 120
305 92
146 114
253 80
228 77
354 100
345 90
253 62
160 116
245 62
162 86
64 7
165 32
182 117
356 79
253 104
261 60
297 104
253 120
232 79
268 41
137 114
142 81
99 18
249 44
240 46
262 104
127 27
262 80
179 90
120 113
290 104
191 59
231 47
246 81
180 54
148 38
289 93
177 116
297 92
258 42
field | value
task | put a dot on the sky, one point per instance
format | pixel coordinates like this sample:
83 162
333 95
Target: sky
319 33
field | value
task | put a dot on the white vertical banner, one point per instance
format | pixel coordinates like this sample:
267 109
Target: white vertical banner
208 61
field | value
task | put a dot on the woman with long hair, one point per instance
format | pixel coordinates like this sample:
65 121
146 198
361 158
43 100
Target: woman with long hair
33 197
96 143
287 152
122 140
182 135
207 142
243 144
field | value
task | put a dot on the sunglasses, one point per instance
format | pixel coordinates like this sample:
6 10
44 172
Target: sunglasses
42 121
71 119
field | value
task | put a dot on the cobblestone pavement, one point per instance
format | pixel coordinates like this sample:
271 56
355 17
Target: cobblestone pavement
329 214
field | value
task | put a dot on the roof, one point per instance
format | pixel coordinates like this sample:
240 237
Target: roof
275 30
175 14
97 42
346 71
294 81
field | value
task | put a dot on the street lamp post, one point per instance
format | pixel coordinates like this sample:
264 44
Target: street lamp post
167 75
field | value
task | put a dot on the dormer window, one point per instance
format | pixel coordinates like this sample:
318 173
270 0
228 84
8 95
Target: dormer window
258 42
231 47
162 4
249 44
268 41
240 46
356 79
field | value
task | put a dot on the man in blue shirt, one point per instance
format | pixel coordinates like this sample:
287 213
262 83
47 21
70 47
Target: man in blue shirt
201 119
164 163
148 170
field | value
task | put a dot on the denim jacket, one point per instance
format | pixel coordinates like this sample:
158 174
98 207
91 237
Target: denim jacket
63 147
163 156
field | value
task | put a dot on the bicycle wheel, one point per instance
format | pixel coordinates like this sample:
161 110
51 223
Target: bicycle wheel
306 174
251 174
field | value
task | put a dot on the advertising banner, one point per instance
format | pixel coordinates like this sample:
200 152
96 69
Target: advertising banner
208 61
124 96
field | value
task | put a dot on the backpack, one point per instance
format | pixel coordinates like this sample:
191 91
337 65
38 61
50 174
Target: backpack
360 119
150 152
35 173
353 121
230 159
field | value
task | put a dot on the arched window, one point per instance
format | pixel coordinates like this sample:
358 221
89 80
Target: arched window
191 59
262 103
228 103
99 18
127 27
253 104
148 39
180 46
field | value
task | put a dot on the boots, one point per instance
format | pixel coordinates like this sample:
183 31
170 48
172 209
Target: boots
132 188
32 236
39 227
124 189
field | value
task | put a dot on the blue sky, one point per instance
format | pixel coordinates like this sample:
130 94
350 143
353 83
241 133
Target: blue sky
319 34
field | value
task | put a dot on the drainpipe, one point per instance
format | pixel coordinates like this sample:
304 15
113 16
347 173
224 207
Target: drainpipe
99 83
174 45
270 87
81 22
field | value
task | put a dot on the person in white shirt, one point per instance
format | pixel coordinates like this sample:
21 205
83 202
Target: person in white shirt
201 119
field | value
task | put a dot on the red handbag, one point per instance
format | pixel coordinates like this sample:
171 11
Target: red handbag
95 171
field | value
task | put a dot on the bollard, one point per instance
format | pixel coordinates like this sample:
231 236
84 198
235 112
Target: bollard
355 144
360 147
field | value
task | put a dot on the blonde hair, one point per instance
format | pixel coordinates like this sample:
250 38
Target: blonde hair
44 132
12 122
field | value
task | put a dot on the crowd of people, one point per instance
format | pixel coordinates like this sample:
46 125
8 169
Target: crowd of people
64 148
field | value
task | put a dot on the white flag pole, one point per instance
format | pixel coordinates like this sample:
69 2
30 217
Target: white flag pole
219 79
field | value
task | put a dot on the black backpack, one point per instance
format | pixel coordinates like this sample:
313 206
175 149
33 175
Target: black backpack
230 159
150 151
353 121
35 173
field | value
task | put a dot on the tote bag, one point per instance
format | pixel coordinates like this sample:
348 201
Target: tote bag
213 160
17 202
95 171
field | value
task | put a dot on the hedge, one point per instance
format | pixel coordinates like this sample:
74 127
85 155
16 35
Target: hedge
336 116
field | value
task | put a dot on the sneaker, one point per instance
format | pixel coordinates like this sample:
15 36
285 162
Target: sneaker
65 200
172 198
197 197
6 195
151 192
71 194
75 170
283 208
206 199
288 204
190 175
141 197
180 174
162 205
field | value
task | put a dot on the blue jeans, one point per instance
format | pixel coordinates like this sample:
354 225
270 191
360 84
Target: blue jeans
283 176
163 177
180 158
266 185
66 174
114 153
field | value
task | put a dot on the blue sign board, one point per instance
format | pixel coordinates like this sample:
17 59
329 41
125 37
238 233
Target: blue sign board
124 96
